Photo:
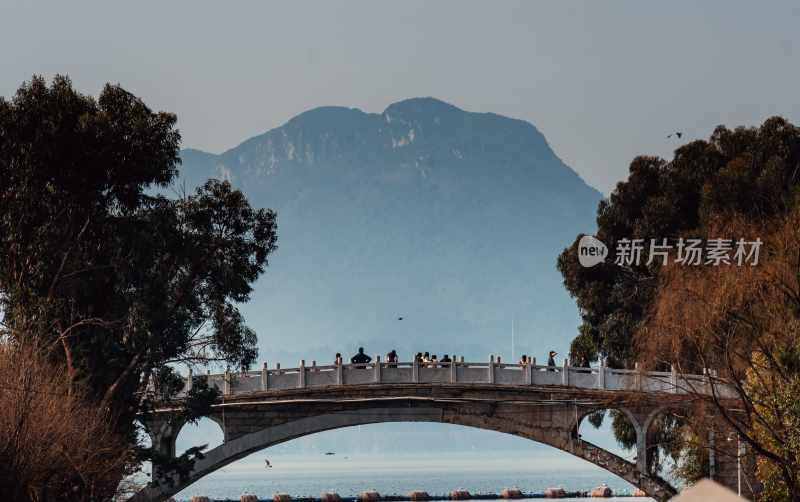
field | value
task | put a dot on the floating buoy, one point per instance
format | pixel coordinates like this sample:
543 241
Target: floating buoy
369 496
330 497
248 498
199 499
601 491
460 495
281 497
419 495
511 493
554 493
638 493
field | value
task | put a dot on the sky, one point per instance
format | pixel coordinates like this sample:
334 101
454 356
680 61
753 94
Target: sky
604 81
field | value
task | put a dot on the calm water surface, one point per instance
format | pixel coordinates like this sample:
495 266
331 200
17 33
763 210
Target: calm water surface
348 475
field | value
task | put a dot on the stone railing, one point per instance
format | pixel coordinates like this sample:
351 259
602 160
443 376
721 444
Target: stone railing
492 372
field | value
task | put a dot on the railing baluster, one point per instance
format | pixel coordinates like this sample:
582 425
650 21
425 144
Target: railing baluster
377 368
673 379
637 378
601 374
226 384
301 375
491 368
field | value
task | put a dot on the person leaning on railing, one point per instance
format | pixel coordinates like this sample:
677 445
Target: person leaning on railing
551 361
391 358
361 357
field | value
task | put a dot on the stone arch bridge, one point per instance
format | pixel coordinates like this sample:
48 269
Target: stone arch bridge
545 404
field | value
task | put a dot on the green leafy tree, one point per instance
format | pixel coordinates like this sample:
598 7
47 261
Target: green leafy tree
119 281
749 171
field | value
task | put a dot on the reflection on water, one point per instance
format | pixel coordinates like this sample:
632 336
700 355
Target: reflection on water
438 474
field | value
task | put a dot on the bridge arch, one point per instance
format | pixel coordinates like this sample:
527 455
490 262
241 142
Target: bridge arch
545 429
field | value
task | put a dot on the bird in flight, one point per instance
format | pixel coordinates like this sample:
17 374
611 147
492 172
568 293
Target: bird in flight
399 318
330 453
268 465
677 133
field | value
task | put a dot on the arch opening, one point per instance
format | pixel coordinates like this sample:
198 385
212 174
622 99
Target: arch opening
612 429
135 481
205 431
673 451
430 456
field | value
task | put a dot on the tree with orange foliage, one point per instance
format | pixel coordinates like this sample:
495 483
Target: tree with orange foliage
55 444
744 324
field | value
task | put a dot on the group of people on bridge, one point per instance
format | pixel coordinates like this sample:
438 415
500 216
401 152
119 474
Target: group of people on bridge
431 360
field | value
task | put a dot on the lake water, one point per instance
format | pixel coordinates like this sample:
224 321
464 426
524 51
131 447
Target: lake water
437 474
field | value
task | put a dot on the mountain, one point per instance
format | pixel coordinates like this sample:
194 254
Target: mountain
450 219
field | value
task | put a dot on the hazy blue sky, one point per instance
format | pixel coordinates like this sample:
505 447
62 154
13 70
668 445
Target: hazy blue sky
604 81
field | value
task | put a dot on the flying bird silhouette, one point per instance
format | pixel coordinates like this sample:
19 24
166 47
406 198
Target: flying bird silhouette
268 465
399 318
677 133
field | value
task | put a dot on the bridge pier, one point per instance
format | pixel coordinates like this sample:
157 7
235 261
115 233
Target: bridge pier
163 434
733 465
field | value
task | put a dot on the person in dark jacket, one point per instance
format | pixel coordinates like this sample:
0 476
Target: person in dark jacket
360 358
551 361
391 358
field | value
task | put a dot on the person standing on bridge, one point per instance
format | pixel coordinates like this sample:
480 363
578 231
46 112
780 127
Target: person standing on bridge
391 358
361 357
551 361
338 360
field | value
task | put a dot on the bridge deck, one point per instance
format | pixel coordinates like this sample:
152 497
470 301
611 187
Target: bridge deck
461 372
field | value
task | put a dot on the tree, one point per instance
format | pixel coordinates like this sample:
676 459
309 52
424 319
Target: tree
119 280
749 171
744 174
743 323
52 441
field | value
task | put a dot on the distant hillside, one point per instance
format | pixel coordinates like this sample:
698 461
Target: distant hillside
450 219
